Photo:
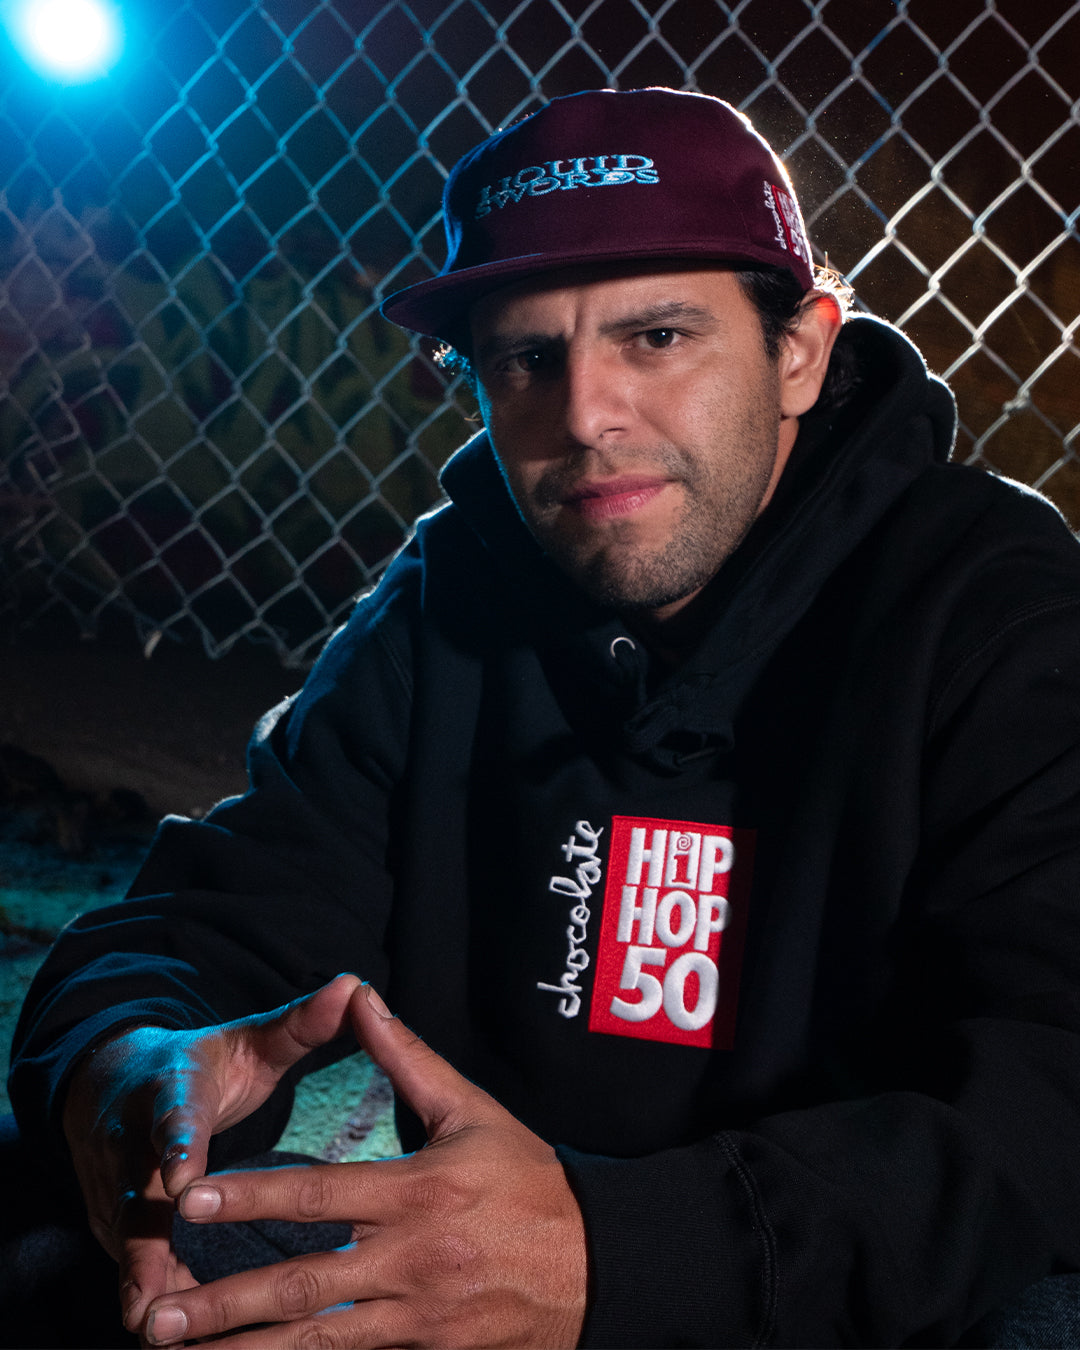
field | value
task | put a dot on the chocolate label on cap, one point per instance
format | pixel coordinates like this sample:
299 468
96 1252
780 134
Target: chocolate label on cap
790 234
559 175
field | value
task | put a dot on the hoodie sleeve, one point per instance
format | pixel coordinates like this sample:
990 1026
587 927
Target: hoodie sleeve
270 896
903 1215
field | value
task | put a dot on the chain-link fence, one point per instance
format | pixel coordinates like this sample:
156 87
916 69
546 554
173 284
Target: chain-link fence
206 427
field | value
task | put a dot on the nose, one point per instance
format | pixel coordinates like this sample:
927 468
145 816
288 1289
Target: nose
597 404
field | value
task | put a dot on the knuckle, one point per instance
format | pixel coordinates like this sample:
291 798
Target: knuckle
315 1194
435 1195
317 1335
223 1314
444 1258
460 1255
298 1291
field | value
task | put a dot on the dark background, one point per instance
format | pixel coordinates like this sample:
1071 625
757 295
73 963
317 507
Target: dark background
206 430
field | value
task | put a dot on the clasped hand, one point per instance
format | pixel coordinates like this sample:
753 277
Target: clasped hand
474 1240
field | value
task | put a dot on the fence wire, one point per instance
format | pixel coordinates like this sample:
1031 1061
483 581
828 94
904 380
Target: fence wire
207 429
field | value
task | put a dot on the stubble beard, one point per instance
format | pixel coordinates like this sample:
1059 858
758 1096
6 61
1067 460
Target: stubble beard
610 564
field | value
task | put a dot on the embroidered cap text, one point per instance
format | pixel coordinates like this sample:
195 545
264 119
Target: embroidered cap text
559 175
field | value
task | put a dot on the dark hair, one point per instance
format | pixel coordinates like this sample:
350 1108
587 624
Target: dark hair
779 300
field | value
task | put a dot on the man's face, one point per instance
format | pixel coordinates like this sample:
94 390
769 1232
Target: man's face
637 419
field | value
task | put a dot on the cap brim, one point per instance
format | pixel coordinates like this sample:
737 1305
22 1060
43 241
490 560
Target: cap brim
439 306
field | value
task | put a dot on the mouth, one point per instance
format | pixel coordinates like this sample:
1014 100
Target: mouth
608 498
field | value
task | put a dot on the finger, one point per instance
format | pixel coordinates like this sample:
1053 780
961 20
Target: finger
156 1274
284 1293
442 1098
234 1069
351 1326
286 1035
148 1267
354 1193
186 1111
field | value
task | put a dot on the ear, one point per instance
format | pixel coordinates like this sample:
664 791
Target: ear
804 357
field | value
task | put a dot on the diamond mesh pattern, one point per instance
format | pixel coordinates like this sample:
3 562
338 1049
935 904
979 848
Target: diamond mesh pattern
207 428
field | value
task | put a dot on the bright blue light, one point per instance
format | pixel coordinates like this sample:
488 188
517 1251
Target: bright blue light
69 40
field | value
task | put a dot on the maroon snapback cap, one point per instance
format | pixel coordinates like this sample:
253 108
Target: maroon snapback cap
602 176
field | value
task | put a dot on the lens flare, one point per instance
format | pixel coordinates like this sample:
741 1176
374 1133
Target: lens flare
68 40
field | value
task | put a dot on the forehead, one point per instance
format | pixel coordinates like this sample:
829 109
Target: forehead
611 291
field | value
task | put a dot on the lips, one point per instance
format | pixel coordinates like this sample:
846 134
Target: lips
606 498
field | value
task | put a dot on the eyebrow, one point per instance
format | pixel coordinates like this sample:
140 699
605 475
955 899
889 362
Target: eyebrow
656 316
501 344
653 316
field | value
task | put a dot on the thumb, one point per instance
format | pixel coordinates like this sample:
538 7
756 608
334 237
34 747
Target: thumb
442 1098
279 1039
244 1061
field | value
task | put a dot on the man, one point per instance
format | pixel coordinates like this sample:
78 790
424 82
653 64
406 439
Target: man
702 785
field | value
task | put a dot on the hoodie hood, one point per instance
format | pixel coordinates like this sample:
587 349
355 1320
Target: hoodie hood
849 467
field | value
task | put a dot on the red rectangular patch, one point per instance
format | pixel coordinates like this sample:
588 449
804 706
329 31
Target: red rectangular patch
672 933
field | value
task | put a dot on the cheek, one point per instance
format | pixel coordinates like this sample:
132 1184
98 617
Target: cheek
689 410
522 438
520 472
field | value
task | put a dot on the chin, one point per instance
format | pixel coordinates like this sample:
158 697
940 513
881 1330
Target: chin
643 595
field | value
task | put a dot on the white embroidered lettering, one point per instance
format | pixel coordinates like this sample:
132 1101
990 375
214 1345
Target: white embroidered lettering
580 847
671 935
792 224
676 935
572 849
570 1003
675 991
780 237
717 855
648 986
644 915
639 854
712 917
569 886
682 860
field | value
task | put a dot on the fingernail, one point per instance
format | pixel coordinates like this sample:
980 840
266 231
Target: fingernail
200 1202
165 1326
130 1304
376 1002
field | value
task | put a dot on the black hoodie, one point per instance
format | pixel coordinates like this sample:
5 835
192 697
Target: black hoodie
779 948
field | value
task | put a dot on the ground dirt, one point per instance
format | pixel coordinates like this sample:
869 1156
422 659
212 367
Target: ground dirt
170 727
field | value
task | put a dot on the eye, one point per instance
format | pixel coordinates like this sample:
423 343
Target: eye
659 337
525 362
530 361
